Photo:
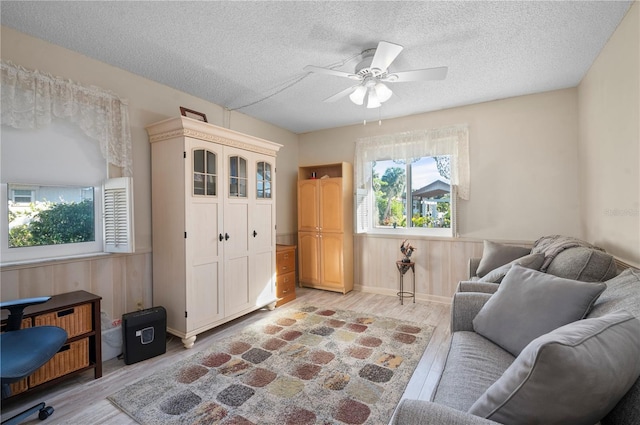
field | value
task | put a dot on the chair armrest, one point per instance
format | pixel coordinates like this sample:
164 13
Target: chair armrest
473 267
464 308
422 412
474 286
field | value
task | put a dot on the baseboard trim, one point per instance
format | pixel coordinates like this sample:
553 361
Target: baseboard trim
394 293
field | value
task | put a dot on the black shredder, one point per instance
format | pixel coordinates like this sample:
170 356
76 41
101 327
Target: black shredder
144 334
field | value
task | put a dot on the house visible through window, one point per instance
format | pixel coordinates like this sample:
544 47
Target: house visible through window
58 215
22 196
414 193
408 183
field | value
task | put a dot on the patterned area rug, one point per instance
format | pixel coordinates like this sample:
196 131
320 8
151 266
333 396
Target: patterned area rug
304 365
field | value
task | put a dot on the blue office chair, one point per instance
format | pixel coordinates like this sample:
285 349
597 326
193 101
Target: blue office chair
23 351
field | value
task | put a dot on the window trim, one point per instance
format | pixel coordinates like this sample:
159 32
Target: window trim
48 252
39 254
371 228
453 140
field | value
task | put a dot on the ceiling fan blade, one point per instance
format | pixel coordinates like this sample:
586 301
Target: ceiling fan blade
385 54
320 70
417 75
341 94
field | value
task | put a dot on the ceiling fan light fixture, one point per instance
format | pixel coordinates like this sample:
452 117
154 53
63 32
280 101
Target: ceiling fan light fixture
372 100
383 92
358 94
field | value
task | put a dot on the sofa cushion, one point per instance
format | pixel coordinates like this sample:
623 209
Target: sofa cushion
496 254
622 293
473 364
531 261
582 263
529 303
573 375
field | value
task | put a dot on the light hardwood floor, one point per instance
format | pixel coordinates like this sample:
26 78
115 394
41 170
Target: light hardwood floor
82 400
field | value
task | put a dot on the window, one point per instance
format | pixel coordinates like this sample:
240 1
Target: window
61 136
22 196
59 215
263 179
415 193
54 207
205 176
408 183
237 177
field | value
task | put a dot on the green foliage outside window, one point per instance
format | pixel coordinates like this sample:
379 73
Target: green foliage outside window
389 190
52 224
391 203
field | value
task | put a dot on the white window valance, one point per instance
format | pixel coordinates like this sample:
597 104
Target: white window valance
30 99
453 141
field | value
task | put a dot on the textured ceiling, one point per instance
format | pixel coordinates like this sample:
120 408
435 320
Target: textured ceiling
249 56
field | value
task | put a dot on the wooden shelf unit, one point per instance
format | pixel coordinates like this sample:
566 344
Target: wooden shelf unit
78 313
325 226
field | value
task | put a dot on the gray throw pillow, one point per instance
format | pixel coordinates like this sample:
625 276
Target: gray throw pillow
529 303
531 261
581 263
573 375
496 254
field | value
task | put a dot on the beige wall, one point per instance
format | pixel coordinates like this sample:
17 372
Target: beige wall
524 162
609 134
125 281
150 102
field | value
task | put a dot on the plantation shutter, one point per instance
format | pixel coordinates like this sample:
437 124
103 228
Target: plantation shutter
118 215
363 210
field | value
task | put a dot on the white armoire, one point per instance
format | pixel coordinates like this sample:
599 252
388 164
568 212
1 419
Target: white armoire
214 224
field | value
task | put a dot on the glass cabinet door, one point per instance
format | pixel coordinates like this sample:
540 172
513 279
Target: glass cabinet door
237 177
205 174
263 180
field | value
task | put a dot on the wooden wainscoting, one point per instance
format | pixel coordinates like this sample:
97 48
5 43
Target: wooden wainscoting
122 280
440 264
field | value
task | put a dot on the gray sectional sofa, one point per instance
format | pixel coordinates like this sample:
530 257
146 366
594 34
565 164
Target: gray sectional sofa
540 347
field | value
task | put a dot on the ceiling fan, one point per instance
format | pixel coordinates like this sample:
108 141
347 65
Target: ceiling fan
372 72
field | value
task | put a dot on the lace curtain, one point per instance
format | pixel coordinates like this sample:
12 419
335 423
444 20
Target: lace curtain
453 141
30 99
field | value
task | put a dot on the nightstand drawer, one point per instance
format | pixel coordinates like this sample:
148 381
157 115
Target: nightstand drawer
285 273
286 261
286 284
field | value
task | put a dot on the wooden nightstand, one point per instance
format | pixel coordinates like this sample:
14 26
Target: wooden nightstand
286 273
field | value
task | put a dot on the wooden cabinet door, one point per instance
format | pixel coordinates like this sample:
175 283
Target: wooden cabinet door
203 225
236 234
331 213
331 259
262 230
308 197
309 257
